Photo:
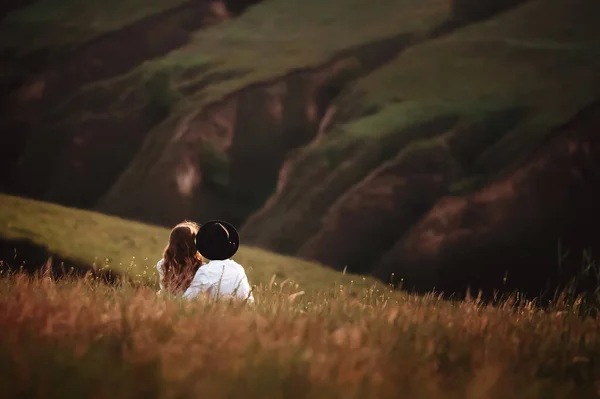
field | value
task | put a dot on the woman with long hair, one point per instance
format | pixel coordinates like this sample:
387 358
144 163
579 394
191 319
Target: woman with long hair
180 260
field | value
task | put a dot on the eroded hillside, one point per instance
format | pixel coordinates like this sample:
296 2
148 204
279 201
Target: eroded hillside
431 140
437 183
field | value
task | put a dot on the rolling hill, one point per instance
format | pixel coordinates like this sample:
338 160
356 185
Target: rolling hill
31 231
443 143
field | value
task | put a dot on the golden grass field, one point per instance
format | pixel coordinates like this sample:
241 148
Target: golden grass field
313 332
80 338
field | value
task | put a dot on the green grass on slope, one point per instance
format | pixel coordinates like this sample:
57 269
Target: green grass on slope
270 40
134 248
542 57
277 36
58 23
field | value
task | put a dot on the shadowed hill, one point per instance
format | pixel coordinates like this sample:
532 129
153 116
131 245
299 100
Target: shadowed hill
242 95
51 49
449 122
337 131
227 82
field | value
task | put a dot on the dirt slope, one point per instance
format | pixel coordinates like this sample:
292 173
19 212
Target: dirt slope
220 151
335 131
446 117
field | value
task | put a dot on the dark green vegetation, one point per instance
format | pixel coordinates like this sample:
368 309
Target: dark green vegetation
48 24
445 143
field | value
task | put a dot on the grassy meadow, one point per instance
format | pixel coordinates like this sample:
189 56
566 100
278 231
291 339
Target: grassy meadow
132 249
80 338
312 332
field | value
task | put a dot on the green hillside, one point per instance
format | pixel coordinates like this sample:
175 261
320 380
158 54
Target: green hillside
334 131
57 24
265 44
512 81
461 110
131 248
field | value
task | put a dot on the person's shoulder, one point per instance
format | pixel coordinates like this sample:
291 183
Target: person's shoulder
204 275
237 265
159 265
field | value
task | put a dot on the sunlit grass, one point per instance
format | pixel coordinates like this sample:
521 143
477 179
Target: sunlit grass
80 338
133 249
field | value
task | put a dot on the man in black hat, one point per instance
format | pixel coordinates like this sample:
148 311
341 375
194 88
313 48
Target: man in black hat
217 242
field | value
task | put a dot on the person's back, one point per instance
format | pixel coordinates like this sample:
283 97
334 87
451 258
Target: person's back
217 242
221 278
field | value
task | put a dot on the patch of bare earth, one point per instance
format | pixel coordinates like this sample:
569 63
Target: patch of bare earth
502 236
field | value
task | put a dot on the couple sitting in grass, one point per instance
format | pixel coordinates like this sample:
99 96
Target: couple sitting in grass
198 261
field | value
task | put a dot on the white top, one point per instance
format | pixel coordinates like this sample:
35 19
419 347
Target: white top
225 278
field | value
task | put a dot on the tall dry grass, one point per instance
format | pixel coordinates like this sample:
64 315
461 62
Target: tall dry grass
80 338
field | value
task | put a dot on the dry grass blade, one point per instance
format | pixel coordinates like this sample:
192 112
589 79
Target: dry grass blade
80 338
293 296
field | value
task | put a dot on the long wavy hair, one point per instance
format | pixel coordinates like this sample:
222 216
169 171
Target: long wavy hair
181 260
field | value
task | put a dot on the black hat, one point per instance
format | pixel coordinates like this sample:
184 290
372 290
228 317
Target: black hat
217 240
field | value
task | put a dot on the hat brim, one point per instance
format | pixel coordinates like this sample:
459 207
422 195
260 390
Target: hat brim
221 249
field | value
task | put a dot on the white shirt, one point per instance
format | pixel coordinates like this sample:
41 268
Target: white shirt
223 278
